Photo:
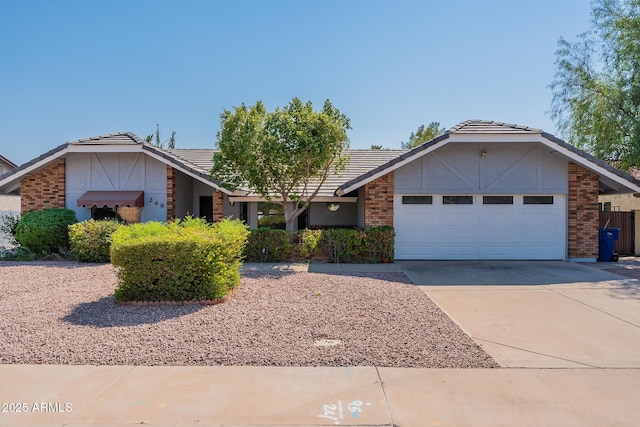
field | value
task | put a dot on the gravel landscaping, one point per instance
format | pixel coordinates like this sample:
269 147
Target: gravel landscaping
64 313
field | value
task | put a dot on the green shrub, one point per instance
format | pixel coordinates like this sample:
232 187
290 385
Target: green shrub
343 245
91 240
309 242
181 261
267 245
45 231
378 243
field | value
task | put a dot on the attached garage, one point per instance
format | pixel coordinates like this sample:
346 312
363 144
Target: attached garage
490 190
517 226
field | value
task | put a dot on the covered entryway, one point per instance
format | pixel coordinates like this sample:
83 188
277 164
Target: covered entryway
458 227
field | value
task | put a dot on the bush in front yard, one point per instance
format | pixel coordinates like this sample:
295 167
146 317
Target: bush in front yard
45 231
268 245
181 261
91 240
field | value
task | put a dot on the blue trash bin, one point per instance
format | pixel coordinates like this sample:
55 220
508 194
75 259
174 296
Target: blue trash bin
608 237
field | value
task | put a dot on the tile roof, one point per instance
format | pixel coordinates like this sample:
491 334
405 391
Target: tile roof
363 165
487 126
360 161
120 138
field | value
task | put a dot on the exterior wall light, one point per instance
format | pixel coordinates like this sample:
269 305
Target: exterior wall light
483 154
332 206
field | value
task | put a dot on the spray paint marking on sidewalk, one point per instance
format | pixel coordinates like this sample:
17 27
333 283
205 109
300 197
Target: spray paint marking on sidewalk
336 412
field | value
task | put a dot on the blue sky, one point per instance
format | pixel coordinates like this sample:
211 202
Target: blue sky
74 69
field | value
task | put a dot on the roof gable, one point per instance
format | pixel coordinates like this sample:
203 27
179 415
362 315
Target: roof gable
116 142
611 179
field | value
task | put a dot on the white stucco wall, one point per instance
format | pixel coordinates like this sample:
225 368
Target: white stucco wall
117 171
459 168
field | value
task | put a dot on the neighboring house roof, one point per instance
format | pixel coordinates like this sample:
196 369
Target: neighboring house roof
611 179
7 162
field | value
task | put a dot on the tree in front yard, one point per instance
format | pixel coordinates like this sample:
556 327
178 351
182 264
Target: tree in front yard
285 155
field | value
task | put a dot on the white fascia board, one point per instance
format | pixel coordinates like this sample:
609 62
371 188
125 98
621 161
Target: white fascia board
578 159
104 148
495 137
315 199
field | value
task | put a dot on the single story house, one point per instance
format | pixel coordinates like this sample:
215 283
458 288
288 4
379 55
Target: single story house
481 190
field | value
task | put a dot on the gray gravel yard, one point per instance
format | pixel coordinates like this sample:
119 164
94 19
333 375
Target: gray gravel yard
64 313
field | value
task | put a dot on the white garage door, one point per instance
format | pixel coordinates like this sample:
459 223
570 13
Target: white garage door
480 226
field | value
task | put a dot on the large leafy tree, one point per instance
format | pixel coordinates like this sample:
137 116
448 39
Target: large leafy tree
422 135
596 89
284 155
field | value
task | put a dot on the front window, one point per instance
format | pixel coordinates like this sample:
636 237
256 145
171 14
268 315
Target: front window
124 214
271 215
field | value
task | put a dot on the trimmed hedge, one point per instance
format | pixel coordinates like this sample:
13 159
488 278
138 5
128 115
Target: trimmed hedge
181 261
45 231
91 240
334 244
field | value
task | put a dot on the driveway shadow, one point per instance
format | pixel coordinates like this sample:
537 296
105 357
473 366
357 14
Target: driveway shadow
105 313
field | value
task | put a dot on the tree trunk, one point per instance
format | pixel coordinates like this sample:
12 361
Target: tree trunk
290 220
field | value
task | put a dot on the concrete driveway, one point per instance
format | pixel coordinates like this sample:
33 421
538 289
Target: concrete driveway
548 314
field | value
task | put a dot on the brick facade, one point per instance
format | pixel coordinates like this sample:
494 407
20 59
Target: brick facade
378 202
583 213
44 188
218 205
171 193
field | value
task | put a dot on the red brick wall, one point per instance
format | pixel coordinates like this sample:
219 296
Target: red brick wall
218 205
44 188
378 202
171 193
583 212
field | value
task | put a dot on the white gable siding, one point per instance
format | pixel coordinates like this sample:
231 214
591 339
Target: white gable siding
117 172
459 168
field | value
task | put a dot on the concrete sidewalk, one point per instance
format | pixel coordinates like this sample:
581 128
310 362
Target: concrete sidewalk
358 396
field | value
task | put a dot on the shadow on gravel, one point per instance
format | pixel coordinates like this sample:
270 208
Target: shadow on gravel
395 277
105 313
275 274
